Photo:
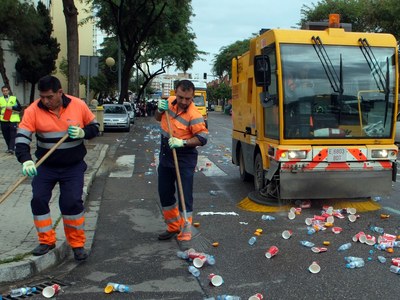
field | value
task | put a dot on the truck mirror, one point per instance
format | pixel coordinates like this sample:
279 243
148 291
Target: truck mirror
262 70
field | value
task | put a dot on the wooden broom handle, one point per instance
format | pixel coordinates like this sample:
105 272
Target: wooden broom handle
44 157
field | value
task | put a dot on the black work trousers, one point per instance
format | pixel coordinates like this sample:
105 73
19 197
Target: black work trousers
9 131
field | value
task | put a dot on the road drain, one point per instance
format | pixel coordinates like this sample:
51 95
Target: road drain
39 288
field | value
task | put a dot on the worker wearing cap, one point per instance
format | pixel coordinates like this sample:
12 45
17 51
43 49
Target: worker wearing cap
189 131
50 118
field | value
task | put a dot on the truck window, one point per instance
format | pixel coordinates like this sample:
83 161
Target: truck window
271 110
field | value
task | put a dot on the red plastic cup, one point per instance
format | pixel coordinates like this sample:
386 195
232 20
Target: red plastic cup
371 240
336 230
396 261
257 296
215 280
272 251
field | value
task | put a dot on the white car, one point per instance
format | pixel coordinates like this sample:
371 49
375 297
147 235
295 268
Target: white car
116 117
131 111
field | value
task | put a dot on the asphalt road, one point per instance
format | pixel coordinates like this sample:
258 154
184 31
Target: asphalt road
125 249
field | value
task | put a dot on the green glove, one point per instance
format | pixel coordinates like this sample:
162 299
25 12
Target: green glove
162 105
75 132
175 143
28 168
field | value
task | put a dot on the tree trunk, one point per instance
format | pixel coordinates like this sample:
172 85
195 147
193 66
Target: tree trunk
71 21
3 70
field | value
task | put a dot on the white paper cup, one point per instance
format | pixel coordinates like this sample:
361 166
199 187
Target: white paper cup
330 219
215 280
50 291
291 215
352 218
199 261
351 210
314 268
329 210
287 234
309 221
257 296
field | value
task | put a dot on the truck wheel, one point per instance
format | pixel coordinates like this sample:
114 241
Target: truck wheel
244 176
258 173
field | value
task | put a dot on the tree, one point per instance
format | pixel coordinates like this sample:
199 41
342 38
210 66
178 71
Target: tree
9 10
144 27
223 60
71 20
36 49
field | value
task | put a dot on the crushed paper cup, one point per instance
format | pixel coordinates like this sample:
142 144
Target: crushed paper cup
291 215
386 237
314 268
257 296
272 251
50 291
286 234
337 230
215 280
319 249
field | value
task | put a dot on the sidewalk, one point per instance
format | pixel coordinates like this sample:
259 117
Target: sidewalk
17 233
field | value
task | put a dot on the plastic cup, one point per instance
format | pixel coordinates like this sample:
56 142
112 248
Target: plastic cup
309 221
314 267
337 230
360 237
287 234
215 280
257 296
352 218
330 219
329 210
51 291
272 251
351 210
291 215
199 261
370 240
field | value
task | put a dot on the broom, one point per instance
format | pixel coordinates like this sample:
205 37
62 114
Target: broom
19 181
202 244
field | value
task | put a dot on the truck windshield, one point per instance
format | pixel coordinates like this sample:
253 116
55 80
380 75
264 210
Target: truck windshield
313 108
199 101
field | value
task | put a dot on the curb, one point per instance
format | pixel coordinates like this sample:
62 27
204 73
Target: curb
33 265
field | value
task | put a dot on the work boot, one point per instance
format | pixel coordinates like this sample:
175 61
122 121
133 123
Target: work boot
166 235
42 249
80 253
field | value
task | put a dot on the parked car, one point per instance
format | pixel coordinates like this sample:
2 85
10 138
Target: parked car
116 117
131 111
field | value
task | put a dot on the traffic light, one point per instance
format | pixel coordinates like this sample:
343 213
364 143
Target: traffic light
204 75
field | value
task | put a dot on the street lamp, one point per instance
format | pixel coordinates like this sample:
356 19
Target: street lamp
110 62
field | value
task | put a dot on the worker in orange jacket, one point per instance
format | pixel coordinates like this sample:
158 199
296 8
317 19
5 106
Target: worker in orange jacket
189 131
50 118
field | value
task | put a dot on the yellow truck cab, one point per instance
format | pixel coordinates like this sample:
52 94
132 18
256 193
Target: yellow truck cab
314 113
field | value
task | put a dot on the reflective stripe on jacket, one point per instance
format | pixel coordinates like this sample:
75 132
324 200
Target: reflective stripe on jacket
184 125
50 128
10 101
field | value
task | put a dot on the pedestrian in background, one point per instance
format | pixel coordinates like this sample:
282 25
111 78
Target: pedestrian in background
51 117
189 131
9 118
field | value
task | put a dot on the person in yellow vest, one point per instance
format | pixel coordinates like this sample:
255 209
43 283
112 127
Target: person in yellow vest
9 118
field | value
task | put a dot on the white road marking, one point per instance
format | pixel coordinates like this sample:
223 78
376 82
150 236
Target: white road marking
211 213
124 166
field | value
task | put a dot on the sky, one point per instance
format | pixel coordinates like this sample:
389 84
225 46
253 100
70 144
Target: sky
219 23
